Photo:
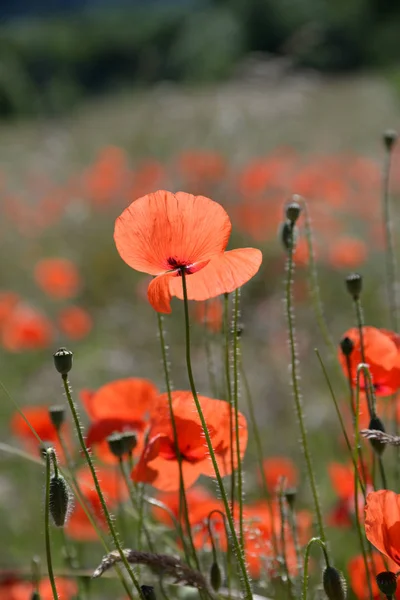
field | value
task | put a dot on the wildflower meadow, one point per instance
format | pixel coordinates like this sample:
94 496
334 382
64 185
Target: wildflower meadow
200 374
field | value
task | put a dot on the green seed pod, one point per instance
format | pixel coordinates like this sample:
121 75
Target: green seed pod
390 138
287 234
346 346
116 444
354 285
293 210
60 497
215 576
376 423
63 360
57 416
334 584
148 592
387 583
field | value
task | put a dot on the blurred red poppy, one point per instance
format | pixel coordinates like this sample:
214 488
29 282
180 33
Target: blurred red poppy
158 463
210 313
359 578
17 589
8 302
75 322
342 479
124 404
163 233
57 277
382 355
26 329
203 168
38 417
105 180
347 253
279 470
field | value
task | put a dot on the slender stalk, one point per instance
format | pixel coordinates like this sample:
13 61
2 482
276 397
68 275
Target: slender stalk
50 455
131 491
322 545
295 536
183 506
229 396
236 546
296 387
209 358
283 545
236 413
89 461
213 547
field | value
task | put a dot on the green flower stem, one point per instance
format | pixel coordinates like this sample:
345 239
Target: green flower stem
390 254
296 387
213 547
260 456
339 415
183 506
236 546
209 359
227 361
353 412
283 545
360 325
89 461
50 456
295 536
236 352
322 545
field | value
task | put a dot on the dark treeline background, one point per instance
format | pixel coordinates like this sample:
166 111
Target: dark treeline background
52 54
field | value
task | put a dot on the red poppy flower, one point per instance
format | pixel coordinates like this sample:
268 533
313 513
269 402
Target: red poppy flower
210 313
158 463
124 404
78 526
162 233
75 322
277 469
16 589
359 578
26 329
348 253
38 417
382 522
342 479
57 277
382 356
201 168
8 302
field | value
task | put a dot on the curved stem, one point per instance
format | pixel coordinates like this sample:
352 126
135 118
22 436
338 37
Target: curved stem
89 461
50 456
236 414
236 546
296 388
322 545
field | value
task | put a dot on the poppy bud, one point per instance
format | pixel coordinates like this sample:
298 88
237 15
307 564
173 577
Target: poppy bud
57 416
63 360
347 346
43 447
116 444
387 583
129 439
288 235
215 576
59 500
354 285
389 138
376 423
334 584
148 592
293 210
290 496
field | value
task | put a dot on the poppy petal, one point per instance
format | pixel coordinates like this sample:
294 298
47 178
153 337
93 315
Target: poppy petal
382 522
223 274
164 225
159 294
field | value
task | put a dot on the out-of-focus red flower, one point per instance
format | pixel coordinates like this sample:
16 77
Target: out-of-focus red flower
158 463
342 479
17 589
277 470
382 523
8 302
359 577
105 180
57 277
26 329
75 322
124 404
210 313
78 526
347 253
203 168
382 355
38 417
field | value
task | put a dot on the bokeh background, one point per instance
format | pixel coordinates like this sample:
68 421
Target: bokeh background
246 101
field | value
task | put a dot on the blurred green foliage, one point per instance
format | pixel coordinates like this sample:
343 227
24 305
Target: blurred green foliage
47 65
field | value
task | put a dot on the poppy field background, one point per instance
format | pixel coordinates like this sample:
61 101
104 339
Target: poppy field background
249 147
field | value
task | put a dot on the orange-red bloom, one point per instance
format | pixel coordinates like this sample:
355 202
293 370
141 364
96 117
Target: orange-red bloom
158 464
57 277
75 322
382 522
124 404
359 578
279 469
26 329
17 589
342 478
210 313
382 355
164 233
38 417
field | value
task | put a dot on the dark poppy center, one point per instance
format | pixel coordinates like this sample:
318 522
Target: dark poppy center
177 264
